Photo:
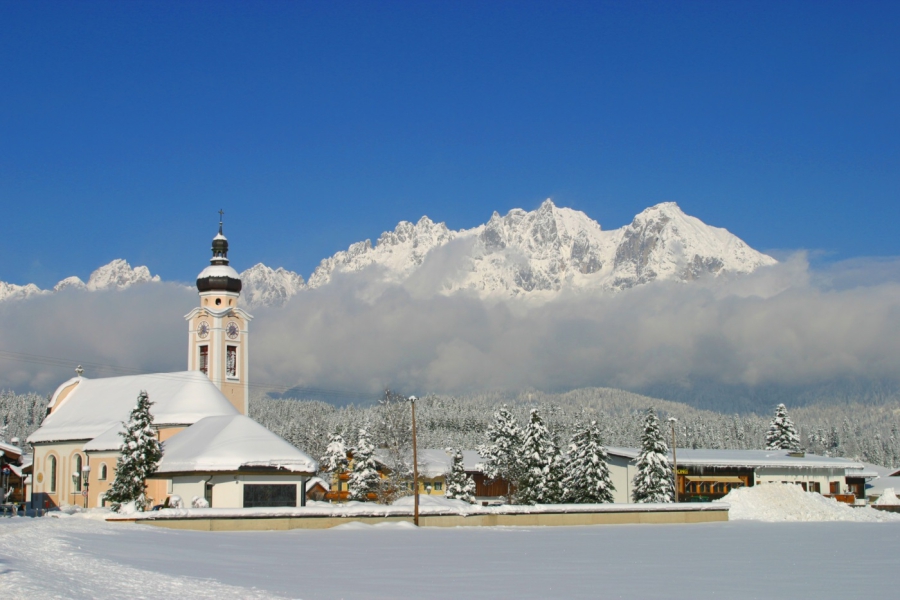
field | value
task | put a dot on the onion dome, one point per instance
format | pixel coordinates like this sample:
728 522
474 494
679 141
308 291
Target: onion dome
219 276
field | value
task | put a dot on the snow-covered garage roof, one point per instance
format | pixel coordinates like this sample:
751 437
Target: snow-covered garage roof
230 443
95 406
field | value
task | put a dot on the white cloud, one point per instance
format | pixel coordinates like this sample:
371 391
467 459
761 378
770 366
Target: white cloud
784 325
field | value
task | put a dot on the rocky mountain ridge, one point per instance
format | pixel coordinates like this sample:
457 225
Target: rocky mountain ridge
536 254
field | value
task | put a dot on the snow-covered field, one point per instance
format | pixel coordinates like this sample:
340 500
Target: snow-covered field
82 558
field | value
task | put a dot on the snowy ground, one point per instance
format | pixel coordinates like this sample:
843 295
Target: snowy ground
81 558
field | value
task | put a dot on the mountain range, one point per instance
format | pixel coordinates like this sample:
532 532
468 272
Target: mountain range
532 255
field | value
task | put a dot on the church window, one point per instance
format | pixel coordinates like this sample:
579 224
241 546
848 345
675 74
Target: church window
76 479
204 359
52 482
231 361
102 472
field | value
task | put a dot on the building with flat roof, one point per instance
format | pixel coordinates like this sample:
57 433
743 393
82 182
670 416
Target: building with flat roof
705 475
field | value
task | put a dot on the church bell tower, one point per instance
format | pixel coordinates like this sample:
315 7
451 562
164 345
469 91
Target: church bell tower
218 342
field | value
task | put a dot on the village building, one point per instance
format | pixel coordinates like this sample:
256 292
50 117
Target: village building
434 466
199 416
706 475
14 475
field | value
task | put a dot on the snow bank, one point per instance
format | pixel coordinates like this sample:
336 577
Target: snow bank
786 502
888 498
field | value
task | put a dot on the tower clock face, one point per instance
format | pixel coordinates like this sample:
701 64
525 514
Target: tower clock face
203 329
232 330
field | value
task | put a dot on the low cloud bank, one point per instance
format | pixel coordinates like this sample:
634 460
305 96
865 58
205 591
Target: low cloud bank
783 325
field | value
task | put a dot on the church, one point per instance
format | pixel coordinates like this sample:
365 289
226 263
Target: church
211 448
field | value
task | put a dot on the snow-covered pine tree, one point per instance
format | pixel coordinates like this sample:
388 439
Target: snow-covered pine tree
364 478
335 462
501 453
653 481
540 479
141 453
782 435
587 478
459 485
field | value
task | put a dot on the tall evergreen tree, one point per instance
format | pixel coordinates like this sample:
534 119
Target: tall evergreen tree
140 455
782 435
654 480
501 453
540 479
335 461
587 478
364 478
459 485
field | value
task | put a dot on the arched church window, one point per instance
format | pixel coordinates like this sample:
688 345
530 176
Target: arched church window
76 476
52 462
102 471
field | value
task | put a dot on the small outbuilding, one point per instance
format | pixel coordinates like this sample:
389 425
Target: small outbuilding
234 462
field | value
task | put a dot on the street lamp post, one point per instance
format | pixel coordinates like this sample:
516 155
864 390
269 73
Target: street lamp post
86 470
412 401
672 421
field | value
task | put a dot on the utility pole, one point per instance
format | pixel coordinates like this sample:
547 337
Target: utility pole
412 401
672 421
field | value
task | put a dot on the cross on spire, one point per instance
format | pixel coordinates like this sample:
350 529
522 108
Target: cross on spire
221 214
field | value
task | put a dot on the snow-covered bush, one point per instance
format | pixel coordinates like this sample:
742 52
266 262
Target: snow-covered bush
888 498
198 502
175 501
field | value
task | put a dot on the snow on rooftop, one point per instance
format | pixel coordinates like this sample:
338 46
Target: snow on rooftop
108 440
747 458
230 443
434 462
96 405
218 271
10 449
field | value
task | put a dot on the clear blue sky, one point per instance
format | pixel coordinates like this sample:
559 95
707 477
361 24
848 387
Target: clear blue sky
125 126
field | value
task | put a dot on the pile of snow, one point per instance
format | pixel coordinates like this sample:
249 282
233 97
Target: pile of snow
786 502
888 498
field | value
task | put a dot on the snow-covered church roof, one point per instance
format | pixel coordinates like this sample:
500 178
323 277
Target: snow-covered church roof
98 407
230 443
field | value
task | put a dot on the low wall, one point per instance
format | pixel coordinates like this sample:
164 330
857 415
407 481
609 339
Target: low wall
627 515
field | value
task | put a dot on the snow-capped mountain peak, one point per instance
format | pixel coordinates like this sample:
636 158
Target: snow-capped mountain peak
264 286
544 251
119 275
530 254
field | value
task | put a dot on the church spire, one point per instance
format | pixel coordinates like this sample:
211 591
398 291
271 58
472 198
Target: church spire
220 245
219 276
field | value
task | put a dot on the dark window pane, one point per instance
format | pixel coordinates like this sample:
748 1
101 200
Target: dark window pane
270 495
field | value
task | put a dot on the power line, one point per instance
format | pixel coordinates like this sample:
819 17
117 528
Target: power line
71 364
